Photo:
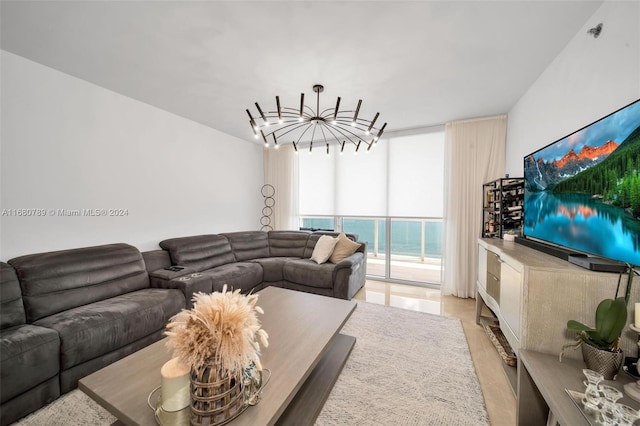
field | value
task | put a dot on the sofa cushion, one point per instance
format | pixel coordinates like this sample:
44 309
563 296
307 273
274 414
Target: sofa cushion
28 357
248 245
343 249
156 259
272 267
323 249
315 236
309 273
93 330
287 243
61 280
11 307
200 251
241 275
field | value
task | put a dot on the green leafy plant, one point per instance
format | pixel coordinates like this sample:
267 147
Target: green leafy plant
611 318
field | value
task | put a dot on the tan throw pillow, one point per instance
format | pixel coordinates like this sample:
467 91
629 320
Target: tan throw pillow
344 248
323 249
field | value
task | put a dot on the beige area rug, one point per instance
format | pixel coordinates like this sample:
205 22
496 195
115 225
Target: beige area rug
407 368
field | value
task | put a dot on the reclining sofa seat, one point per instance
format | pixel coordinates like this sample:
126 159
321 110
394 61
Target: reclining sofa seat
340 280
211 255
283 246
98 300
29 357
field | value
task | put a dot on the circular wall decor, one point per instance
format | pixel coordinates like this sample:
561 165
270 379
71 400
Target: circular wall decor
268 190
268 193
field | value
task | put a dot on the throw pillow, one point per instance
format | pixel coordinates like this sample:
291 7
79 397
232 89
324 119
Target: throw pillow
323 249
344 248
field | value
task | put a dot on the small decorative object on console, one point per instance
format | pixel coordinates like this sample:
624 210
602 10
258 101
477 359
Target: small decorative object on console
217 340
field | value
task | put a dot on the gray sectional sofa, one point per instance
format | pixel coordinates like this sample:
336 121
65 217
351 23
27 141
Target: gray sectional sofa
82 309
253 260
66 314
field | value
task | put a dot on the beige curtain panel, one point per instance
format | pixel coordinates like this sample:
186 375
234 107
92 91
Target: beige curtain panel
474 154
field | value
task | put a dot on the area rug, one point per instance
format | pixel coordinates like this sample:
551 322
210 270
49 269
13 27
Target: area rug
407 368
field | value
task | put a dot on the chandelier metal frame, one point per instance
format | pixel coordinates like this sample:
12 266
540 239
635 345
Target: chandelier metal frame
326 126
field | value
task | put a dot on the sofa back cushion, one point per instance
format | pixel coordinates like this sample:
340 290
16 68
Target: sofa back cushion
248 245
57 281
156 259
287 243
11 307
201 252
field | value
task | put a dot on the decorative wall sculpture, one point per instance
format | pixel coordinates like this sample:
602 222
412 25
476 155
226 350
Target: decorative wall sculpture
268 193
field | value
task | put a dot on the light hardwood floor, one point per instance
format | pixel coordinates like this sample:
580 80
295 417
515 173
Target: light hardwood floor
499 399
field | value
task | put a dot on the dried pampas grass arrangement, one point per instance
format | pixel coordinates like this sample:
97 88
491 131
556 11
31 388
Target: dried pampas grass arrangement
222 327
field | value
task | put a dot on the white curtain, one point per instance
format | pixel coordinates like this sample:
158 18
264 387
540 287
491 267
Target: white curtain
281 171
474 154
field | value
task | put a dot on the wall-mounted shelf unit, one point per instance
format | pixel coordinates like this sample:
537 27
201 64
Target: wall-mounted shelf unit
503 204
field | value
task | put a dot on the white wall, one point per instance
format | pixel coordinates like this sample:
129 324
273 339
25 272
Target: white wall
589 79
69 144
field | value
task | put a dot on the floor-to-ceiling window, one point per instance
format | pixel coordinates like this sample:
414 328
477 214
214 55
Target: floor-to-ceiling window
391 196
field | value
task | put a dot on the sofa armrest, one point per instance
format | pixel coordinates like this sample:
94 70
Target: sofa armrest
348 262
349 275
189 284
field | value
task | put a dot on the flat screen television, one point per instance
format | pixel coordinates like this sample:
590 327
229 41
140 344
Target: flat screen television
582 192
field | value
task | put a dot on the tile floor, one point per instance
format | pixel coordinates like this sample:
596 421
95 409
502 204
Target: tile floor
499 399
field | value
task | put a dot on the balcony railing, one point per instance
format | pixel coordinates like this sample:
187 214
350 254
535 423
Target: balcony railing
414 255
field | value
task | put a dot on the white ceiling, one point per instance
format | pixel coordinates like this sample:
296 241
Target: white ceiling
419 63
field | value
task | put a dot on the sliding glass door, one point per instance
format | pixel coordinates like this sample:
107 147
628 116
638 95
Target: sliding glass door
391 196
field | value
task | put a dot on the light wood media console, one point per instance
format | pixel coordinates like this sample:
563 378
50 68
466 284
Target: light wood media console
533 295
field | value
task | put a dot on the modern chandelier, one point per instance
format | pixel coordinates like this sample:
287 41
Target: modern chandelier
303 124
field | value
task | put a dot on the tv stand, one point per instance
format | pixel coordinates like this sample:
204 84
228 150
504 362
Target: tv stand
597 263
534 295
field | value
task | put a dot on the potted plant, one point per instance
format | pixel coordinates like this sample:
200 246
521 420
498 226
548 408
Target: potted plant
601 344
218 341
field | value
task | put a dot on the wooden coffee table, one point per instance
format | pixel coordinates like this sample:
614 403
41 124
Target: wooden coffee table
305 355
